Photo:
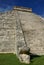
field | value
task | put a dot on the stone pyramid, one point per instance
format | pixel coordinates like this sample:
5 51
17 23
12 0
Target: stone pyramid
32 28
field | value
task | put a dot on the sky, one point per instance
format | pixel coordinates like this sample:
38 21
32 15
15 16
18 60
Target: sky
36 5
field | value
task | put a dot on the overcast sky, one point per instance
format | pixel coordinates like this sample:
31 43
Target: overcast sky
36 5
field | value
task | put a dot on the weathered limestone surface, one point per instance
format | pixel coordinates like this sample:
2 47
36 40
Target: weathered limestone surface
33 29
7 32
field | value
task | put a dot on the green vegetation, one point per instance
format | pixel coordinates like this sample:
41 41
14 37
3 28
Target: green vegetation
11 59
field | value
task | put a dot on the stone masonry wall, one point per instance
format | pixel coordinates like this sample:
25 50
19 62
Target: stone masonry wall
7 32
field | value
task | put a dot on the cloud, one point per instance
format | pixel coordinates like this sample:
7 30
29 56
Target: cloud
2 9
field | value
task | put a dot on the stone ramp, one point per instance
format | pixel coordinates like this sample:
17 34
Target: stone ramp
20 39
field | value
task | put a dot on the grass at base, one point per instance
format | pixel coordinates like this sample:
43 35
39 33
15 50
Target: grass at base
11 59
